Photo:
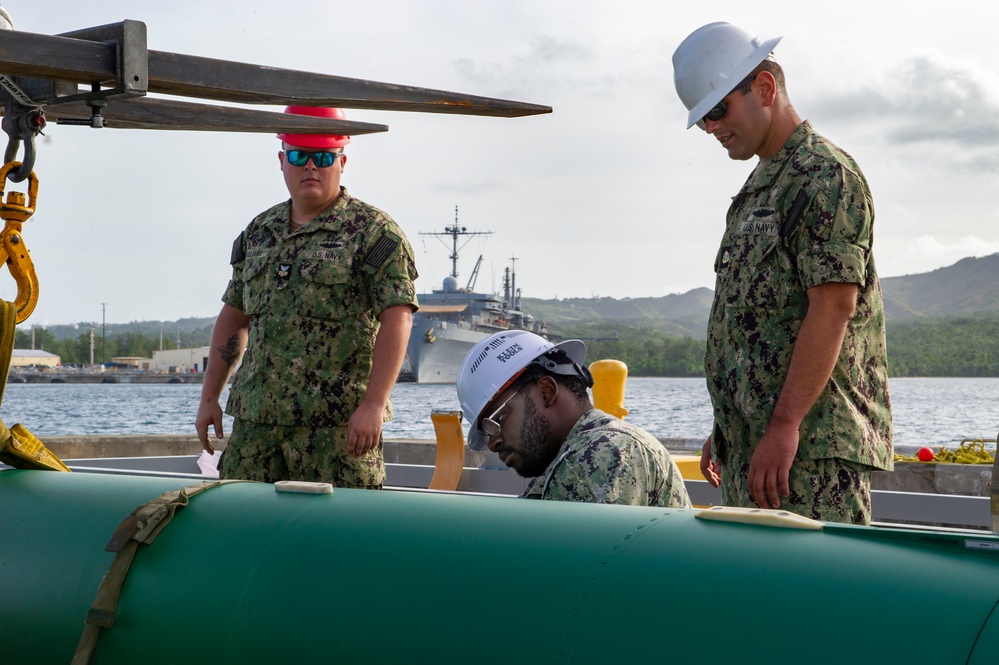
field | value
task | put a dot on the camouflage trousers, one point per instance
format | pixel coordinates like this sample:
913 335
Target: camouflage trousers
831 490
268 453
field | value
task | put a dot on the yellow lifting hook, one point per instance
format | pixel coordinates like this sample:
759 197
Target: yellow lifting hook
12 249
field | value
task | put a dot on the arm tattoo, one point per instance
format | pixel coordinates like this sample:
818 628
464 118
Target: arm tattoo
230 351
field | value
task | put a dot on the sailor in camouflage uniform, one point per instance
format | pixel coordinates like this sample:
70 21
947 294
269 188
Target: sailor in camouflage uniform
526 399
321 298
796 358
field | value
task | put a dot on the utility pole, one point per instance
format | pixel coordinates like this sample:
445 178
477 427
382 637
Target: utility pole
104 330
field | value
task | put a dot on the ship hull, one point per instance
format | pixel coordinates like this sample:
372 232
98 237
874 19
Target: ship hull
436 349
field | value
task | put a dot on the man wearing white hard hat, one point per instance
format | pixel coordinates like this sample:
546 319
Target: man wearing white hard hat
526 400
322 299
796 354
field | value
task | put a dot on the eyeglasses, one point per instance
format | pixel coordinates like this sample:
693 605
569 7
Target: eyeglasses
490 425
720 109
321 159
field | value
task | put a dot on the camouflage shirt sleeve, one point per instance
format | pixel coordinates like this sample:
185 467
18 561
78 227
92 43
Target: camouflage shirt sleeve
233 295
833 238
390 269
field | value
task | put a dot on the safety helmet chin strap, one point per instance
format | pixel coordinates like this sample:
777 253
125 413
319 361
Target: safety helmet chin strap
569 368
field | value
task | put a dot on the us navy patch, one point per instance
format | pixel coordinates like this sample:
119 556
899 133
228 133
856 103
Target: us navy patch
283 270
325 255
759 227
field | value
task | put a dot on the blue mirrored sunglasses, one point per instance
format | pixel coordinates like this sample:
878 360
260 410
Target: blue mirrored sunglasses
321 159
719 110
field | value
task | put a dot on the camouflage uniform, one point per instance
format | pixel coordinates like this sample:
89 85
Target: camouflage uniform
313 297
768 259
606 460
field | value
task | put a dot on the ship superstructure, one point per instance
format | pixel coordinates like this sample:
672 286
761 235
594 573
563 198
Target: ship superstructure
452 319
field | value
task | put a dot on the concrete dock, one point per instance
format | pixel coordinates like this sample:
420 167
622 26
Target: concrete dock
956 479
69 376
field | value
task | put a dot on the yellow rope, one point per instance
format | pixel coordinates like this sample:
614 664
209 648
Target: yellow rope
971 451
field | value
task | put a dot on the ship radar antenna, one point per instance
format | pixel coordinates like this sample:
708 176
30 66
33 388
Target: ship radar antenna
454 232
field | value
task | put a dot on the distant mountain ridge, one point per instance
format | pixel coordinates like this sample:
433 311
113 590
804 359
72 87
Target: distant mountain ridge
684 314
970 286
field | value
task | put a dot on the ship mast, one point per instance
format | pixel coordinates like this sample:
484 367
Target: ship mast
455 232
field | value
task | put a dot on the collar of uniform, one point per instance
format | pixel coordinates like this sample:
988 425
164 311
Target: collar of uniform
333 216
327 218
537 487
768 170
592 418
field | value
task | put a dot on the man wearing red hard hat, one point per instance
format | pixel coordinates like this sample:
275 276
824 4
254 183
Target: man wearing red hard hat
321 299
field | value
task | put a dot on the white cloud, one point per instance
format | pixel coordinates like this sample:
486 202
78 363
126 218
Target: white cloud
926 253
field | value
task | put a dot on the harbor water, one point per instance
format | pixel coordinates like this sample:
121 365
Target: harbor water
933 412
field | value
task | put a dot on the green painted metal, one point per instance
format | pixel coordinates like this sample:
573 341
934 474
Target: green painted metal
245 574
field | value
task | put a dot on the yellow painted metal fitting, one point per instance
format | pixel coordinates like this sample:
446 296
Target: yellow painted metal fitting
609 378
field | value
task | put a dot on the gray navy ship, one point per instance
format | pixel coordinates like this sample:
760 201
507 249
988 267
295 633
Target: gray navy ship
452 319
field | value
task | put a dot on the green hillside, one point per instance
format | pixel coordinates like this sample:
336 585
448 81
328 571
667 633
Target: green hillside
940 323
676 314
965 288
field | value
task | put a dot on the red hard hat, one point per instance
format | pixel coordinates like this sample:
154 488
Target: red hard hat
316 140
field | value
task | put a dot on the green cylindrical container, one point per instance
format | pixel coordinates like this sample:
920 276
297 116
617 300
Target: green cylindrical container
245 574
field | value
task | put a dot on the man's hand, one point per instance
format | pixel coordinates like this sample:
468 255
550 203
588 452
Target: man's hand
364 429
771 464
709 468
209 413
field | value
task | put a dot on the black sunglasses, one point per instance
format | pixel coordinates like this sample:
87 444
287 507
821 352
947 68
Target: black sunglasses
322 159
719 110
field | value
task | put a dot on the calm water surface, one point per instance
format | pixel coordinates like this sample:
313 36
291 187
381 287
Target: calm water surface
926 411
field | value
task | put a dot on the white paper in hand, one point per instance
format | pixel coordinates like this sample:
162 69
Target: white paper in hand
209 464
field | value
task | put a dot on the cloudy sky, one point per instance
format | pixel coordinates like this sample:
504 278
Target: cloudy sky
607 196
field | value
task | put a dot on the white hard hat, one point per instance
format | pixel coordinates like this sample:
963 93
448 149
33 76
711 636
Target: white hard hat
711 61
492 364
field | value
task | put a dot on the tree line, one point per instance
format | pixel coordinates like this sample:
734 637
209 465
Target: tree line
645 349
952 346
128 343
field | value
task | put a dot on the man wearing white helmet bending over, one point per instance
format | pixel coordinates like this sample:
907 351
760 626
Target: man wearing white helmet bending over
526 399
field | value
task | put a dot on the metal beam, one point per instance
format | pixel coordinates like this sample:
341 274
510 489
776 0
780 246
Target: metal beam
154 113
222 80
86 62
57 58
